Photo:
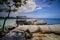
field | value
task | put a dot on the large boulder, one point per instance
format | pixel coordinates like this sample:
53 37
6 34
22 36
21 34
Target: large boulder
34 28
11 26
23 27
40 22
30 21
56 28
31 28
14 35
50 28
45 28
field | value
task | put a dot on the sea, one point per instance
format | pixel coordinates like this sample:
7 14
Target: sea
48 20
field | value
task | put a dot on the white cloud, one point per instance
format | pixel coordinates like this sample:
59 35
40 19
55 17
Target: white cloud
33 5
38 7
41 4
30 6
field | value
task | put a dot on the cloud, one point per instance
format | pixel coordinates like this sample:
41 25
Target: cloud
30 6
33 5
38 7
42 4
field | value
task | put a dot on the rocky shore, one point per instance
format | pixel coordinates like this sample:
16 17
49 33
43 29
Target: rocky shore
32 30
39 32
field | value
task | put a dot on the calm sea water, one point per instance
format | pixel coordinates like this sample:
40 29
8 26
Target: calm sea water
51 20
8 22
48 20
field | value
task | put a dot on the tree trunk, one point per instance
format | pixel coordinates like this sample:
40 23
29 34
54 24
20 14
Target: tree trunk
5 20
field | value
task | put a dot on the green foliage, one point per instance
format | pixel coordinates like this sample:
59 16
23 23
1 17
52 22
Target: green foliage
25 1
1 2
4 0
20 3
14 10
0 30
17 1
7 3
1 10
17 5
7 10
11 10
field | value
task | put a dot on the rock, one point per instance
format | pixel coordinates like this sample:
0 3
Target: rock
45 28
28 34
36 38
12 26
51 37
23 27
50 28
40 22
14 36
31 21
41 28
38 34
57 30
31 28
34 28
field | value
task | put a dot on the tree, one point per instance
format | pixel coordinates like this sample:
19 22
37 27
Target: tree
7 4
16 4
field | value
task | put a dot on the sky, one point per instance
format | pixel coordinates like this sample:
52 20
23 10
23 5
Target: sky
38 9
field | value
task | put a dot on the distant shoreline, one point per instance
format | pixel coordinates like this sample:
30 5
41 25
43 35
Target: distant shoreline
50 21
